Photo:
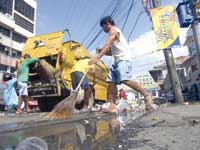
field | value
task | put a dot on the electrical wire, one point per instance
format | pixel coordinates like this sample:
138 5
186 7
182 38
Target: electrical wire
112 9
139 16
124 24
83 6
112 14
69 13
110 5
150 64
94 33
149 53
129 11
94 39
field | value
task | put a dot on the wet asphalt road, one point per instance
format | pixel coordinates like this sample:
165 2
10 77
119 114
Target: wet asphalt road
169 128
86 131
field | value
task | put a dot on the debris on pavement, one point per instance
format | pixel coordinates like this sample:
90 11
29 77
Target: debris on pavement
132 106
2 114
156 118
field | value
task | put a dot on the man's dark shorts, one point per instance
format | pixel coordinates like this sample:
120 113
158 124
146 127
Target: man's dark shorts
76 77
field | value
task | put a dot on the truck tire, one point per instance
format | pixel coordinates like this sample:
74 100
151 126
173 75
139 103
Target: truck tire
43 105
46 105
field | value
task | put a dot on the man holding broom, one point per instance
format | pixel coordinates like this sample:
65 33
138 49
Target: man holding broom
80 68
121 71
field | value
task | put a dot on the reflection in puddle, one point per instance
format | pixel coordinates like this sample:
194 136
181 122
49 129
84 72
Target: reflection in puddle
91 134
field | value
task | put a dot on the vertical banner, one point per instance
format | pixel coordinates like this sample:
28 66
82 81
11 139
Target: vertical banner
165 27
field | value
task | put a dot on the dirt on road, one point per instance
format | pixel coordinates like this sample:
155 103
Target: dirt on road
169 128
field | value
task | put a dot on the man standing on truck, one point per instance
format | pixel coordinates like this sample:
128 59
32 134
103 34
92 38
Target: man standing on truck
121 71
22 80
79 68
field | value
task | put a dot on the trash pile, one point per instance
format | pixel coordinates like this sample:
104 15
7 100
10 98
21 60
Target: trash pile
139 105
132 106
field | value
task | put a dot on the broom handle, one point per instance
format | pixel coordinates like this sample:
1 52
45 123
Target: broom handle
81 81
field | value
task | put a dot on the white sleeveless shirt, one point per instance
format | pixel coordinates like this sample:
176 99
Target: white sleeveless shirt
120 49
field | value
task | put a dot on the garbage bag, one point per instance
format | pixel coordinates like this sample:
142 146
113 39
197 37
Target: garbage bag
45 70
10 97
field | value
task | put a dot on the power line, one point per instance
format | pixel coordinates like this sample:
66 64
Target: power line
124 24
140 14
149 53
94 39
112 14
150 64
86 8
129 11
110 5
69 13
74 8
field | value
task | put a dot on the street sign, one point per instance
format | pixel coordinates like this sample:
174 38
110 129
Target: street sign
185 14
165 27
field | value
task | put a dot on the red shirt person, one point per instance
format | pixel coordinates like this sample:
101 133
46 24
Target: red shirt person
122 94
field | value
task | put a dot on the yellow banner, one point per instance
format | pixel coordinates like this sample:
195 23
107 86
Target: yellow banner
165 27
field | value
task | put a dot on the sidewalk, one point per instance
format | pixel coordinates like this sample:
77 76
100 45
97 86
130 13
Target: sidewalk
169 128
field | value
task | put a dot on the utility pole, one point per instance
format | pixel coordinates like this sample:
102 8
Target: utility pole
173 76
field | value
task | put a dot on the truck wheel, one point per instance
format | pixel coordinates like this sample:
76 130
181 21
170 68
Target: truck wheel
43 105
53 102
47 105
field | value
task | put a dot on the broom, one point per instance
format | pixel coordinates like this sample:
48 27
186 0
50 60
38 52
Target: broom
65 108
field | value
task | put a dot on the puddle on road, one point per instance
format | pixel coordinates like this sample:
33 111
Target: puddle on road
91 134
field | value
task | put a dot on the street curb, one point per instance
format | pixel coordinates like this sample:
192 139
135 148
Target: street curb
13 127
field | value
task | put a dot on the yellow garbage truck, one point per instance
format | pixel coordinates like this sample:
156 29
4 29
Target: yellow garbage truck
60 56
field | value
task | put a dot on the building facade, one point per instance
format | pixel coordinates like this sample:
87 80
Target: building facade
190 43
161 76
147 82
17 23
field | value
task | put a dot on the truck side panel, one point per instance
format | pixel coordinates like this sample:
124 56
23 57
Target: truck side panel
44 45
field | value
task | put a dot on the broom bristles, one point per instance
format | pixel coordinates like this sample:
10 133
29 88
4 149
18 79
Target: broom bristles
65 108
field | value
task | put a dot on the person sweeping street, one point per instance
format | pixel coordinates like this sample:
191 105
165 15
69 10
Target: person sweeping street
22 80
79 72
80 68
121 71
